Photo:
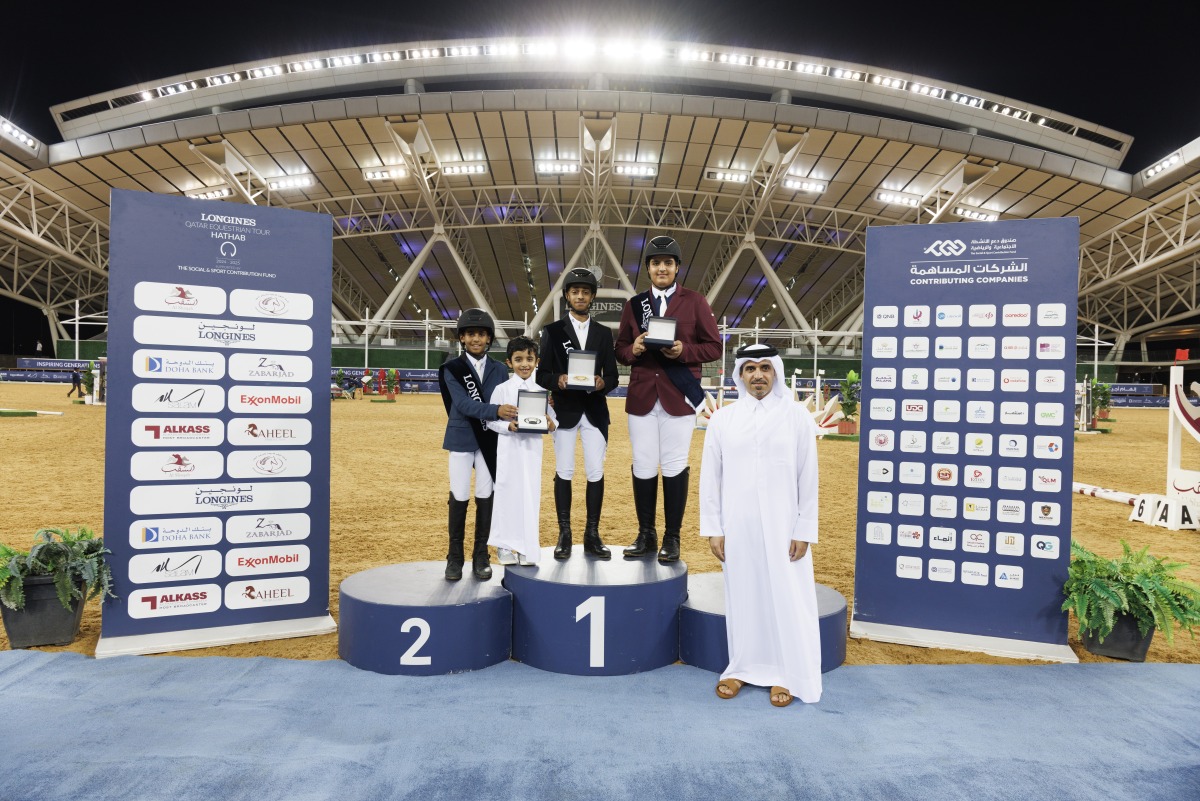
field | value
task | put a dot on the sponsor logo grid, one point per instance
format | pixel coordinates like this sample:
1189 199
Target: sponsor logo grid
976 429
219 370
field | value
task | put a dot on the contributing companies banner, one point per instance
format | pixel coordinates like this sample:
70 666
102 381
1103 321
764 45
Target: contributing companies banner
217 458
966 444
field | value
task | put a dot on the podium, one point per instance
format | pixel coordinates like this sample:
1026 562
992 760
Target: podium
406 619
590 617
702 639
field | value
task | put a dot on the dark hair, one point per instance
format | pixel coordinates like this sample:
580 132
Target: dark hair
518 344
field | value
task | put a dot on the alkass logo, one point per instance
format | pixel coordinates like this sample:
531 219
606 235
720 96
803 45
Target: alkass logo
946 247
187 600
181 296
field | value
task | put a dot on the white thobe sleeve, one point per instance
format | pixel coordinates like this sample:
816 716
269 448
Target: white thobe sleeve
499 397
710 481
807 484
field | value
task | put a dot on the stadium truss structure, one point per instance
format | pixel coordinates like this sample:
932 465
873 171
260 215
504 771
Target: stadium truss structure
475 173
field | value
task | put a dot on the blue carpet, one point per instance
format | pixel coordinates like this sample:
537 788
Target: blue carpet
215 728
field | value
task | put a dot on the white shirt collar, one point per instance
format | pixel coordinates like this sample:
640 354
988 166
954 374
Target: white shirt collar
478 363
664 293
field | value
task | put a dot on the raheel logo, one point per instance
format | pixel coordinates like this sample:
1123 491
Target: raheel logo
265 431
189 599
262 592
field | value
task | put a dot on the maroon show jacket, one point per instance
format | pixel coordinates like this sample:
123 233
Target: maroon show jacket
696 328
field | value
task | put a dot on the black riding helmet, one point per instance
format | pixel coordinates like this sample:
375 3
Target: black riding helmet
663 246
578 276
477 318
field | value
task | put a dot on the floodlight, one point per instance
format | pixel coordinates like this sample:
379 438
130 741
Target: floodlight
898 199
291 182
804 186
975 214
385 174
635 169
215 193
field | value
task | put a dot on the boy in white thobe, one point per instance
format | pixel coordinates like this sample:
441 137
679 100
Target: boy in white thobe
518 482
758 507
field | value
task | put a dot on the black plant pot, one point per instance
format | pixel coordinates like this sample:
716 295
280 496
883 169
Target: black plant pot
43 621
1124 642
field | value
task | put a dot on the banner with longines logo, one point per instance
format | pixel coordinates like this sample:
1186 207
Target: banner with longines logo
966 443
217 460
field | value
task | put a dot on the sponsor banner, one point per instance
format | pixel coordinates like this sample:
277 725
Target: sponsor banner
269 464
187 599
178 465
272 367
179 298
215 329
235 334
178 364
177 532
178 398
152 568
266 559
263 431
257 593
968 392
232 496
176 432
55 364
272 527
270 400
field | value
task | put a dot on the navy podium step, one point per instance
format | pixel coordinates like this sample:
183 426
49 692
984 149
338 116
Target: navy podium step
702 639
407 619
591 617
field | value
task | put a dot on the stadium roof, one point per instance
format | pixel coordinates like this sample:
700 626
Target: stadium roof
507 159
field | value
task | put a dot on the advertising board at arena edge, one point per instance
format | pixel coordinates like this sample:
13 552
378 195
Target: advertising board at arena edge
217 435
966 446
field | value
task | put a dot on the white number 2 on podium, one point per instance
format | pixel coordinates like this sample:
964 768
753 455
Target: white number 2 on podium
410 656
593 607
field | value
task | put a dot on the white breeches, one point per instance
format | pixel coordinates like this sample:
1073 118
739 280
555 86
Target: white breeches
595 447
461 465
659 438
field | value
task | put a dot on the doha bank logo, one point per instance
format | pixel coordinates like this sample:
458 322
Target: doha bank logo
946 247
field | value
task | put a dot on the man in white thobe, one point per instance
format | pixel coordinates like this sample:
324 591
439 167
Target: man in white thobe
758 508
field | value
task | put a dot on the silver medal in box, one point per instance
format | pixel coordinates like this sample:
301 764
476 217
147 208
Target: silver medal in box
532 407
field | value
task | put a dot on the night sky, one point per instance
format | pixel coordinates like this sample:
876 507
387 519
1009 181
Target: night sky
1130 72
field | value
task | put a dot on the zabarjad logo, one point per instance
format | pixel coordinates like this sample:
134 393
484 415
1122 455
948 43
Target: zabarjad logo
182 296
946 247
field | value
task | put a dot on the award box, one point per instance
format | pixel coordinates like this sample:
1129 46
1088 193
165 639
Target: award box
660 333
531 410
581 369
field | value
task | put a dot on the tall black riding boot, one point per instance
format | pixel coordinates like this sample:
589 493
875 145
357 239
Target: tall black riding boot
483 527
592 544
675 492
645 501
562 508
458 525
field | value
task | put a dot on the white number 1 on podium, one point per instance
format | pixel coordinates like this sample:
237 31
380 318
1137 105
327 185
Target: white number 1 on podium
593 607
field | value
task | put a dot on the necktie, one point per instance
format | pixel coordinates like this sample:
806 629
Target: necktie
662 305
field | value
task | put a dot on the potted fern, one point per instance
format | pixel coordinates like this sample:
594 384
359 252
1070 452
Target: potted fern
43 590
850 389
1120 602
